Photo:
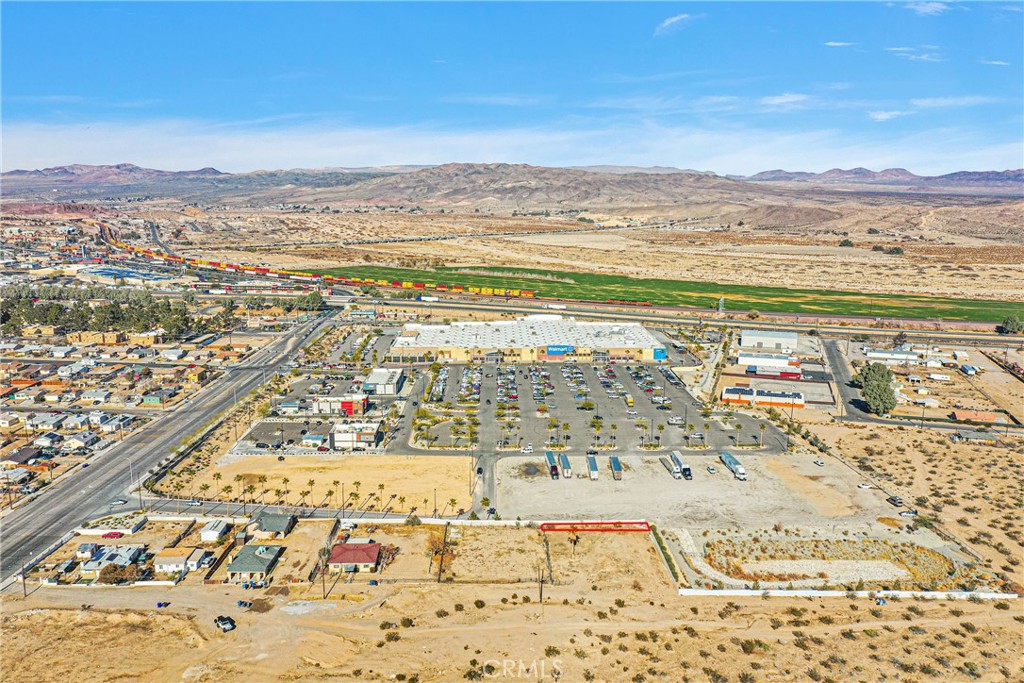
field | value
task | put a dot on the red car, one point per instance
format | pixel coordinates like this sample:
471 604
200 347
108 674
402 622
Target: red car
112 534
322 449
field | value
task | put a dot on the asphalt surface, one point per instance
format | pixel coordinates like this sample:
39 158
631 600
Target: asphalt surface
85 494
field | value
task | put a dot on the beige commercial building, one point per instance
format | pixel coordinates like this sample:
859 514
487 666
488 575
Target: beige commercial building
534 338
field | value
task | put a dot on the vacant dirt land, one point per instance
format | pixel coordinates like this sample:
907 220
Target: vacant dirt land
437 633
946 250
971 491
410 482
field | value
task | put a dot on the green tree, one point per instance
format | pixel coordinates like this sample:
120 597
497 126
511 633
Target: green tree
1011 325
875 382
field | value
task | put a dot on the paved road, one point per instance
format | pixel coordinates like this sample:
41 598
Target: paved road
59 508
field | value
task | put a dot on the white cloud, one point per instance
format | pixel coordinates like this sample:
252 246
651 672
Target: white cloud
496 100
46 99
994 62
785 100
927 8
674 23
184 144
838 43
961 101
900 49
886 115
925 58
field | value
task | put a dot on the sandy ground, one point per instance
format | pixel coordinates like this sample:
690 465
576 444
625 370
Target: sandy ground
581 632
786 489
412 480
946 250
972 492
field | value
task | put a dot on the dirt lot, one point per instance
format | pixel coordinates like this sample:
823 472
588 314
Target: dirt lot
971 491
786 489
650 635
409 481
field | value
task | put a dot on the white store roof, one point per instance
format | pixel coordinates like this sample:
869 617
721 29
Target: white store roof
528 332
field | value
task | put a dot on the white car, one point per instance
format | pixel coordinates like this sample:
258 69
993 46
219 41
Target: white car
712 469
819 463
193 503
863 486
119 501
528 448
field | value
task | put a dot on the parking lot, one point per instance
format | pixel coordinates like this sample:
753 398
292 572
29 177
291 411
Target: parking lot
790 490
579 407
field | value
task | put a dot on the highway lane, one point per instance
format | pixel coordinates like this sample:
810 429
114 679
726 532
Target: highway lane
64 505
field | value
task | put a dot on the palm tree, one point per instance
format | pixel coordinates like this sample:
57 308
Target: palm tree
380 487
204 489
357 484
661 428
310 484
330 495
401 502
739 427
336 483
302 501
250 489
762 426
277 495
614 427
217 476
285 481
565 431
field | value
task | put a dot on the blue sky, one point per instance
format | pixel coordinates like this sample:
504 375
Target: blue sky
729 87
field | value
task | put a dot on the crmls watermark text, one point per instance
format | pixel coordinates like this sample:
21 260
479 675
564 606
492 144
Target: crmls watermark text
522 670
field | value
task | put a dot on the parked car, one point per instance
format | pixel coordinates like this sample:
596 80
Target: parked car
895 501
322 449
528 448
863 486
712 469
225 624
908 513
112 534
193 503
819 463
117 502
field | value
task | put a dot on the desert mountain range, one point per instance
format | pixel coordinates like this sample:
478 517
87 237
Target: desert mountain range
482 185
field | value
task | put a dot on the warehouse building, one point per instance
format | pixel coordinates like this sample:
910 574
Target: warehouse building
769 340
534 338
384 381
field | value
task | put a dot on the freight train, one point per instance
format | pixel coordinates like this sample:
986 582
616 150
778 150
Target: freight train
108 236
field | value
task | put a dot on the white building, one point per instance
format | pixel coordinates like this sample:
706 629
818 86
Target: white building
769 340
891 357
349 436
384 381
767 360
212 531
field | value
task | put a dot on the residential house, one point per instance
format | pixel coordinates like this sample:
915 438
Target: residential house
82 439
117 424
254 562
98 417
22 456
354 557
173 354
86 551
159 397
75 422
9 421
178 560
270 525
61 351
96 395
48 440
14 477
121 555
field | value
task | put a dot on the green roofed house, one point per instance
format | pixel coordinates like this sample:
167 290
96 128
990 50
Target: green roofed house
254 562
271 525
